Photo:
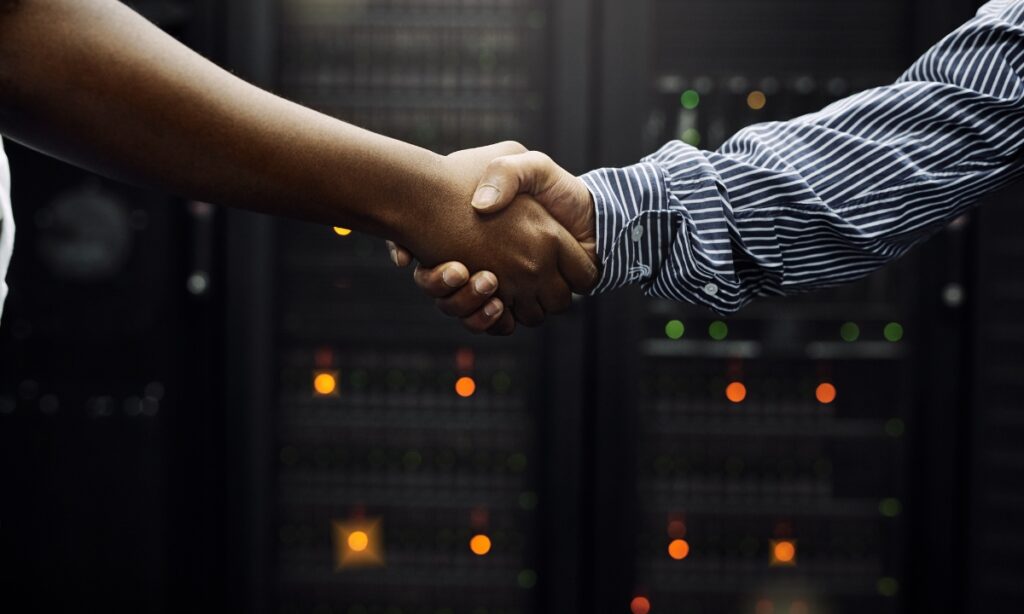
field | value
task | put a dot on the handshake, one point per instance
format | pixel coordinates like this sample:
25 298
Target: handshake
530 237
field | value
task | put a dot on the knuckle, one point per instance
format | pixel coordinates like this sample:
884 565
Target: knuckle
513 145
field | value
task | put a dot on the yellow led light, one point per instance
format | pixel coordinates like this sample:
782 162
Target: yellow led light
342 232
325 384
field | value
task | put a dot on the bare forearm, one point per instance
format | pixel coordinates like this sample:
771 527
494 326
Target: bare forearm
93 83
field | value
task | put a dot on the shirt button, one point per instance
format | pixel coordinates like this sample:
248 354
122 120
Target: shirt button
638 233
711 289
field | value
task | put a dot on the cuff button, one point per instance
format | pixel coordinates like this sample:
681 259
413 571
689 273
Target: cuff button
711 289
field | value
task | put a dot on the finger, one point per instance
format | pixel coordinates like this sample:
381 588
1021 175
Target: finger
399 255
506 325
576 266
471 297
528 313
555 297
484 319
506 177
442 280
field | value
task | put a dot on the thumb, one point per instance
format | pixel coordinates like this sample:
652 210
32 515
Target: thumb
508 176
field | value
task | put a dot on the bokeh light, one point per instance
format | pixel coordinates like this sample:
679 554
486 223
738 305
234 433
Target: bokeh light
325 384
465 387
893 332
675 329
679 549
690 99
783 552
358 541
849 332
736 392
825 393
756 100
640 605
480 545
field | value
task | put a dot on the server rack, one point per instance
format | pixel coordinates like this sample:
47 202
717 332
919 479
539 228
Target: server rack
787 459
374 417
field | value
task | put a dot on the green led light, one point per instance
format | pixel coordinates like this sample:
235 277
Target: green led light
527 578
675 330
850 332
690 99
895 427
888 587
890 508
718 330
893 332
691 136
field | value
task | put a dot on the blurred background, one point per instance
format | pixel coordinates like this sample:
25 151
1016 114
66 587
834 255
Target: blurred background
204 410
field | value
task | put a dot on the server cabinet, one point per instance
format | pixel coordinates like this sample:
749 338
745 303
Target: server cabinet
786 459
394 462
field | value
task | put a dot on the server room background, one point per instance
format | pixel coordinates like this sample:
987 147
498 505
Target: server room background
204 410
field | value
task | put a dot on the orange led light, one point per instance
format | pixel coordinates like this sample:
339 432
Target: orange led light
825 393
465 387
679 549
736 392
358 541
480 545
640 605
783 552
342 232
325 384
756 100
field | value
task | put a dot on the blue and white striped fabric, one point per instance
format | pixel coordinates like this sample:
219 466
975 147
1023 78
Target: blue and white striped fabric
826 198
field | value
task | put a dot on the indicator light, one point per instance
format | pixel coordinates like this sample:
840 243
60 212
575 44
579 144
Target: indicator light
480 545
783 552
756 100
679 549
465 387
325 384
736 392
825 393
640 605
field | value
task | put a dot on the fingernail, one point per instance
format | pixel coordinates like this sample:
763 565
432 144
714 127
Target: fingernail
394 255
484 284
492 309
486 196
453 277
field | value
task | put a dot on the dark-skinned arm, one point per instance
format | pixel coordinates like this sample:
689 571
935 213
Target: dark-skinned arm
93 83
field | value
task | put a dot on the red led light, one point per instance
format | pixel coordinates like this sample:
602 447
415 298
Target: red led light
640 605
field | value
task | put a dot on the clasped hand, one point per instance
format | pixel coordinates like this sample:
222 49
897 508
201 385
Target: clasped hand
530 234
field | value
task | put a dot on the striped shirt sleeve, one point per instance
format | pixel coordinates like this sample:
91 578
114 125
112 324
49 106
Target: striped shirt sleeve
827 198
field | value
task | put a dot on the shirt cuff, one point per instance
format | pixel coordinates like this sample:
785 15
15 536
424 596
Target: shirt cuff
635 223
